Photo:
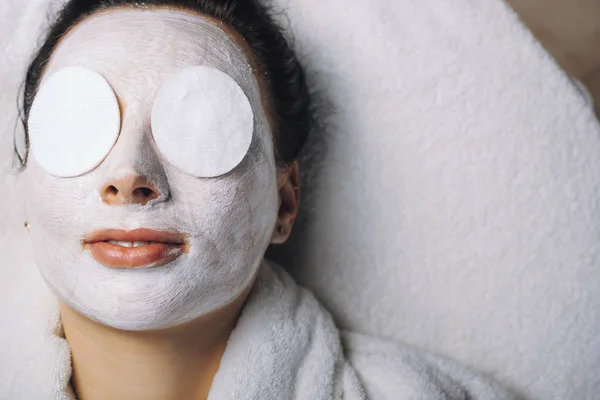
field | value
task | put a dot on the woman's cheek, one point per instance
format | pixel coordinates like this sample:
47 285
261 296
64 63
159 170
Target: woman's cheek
56 206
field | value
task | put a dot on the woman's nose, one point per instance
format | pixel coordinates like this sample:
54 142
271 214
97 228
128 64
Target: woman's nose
129 189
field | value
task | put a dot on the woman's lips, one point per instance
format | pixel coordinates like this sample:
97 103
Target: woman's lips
134 249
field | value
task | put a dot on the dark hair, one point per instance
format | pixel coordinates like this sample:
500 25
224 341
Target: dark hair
288 96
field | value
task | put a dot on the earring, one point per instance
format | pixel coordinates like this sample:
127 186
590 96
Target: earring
26 224
281 230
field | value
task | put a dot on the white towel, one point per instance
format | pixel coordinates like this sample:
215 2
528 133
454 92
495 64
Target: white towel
451 196
285 346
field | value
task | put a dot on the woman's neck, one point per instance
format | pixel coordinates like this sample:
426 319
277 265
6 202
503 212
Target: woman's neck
178 363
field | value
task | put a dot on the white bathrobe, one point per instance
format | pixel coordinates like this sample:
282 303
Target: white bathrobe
285 346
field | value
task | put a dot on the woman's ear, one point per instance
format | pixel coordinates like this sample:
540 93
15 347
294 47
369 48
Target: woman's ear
288 184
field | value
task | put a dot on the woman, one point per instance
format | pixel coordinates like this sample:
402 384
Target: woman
164 137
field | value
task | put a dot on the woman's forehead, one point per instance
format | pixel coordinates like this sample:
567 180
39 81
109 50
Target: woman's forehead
144 47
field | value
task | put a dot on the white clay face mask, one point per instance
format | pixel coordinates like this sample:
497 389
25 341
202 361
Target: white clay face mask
222 206
74 122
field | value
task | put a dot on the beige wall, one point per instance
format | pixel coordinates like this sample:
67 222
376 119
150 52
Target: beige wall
570 30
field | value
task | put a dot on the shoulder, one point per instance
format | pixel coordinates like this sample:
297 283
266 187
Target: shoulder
388 369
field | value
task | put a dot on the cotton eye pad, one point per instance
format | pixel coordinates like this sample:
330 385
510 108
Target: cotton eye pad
74 122
203 122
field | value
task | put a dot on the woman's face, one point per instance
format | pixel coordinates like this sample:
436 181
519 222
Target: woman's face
208 234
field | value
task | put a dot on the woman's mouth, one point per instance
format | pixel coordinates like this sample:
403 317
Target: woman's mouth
141 248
